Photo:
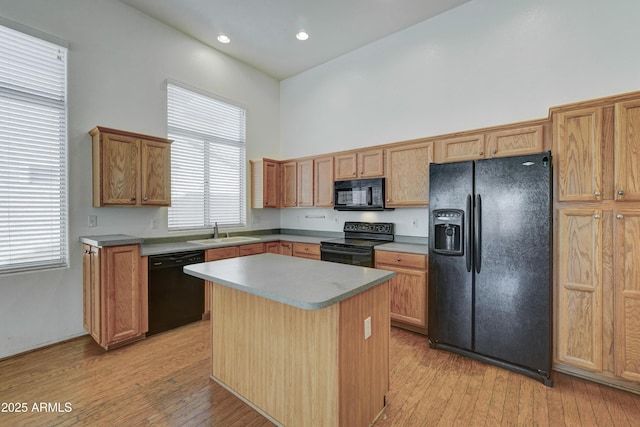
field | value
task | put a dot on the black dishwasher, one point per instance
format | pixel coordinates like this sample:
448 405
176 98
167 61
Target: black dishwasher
175 298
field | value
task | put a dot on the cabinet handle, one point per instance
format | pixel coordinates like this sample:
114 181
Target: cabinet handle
619 216
146 199
495 151
133 199
481 153
621 192
398 259
597 194
597 216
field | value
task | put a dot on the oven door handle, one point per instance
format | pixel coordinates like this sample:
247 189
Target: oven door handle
345 252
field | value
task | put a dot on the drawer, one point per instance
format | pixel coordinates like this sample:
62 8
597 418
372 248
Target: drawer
306 250
402 259
221 253
252 249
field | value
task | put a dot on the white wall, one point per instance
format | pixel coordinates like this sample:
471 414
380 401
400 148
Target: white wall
118 62
485 63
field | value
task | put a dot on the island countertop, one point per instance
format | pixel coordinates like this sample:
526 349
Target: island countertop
299 282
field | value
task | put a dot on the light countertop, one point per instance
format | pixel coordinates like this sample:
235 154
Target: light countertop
299 282
184 246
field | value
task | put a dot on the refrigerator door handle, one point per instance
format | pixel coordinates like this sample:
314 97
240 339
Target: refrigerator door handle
469 232
477 231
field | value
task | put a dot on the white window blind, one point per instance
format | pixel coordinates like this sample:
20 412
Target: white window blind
33 158
207 160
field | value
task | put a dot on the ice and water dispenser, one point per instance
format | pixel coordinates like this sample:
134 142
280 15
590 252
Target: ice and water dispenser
448 231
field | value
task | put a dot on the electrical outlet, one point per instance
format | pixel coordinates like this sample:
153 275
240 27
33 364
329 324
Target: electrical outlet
414 222
92 221
367 327
154 223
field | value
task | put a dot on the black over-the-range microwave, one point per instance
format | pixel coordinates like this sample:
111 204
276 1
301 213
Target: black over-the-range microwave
359 195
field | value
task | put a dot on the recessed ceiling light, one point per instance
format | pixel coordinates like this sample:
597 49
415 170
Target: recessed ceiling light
223 38
302 35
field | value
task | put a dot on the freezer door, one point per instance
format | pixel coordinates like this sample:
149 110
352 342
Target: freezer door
513 286
450 278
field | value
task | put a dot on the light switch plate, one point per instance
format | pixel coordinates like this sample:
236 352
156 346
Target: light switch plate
92 221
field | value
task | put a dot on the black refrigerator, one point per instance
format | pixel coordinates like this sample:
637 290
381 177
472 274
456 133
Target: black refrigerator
490 261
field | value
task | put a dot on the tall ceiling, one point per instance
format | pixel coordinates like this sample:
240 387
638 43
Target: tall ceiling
263 32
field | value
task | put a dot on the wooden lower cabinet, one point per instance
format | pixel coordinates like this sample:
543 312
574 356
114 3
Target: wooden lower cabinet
597 320
115 294
306 250
286 248
579 288
626 225
272 247
408 289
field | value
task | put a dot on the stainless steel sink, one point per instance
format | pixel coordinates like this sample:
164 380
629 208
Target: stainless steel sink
233 239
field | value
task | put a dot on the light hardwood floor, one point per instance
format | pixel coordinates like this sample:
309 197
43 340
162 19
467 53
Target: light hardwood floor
164 381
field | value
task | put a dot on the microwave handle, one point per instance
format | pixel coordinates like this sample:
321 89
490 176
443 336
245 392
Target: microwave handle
369 196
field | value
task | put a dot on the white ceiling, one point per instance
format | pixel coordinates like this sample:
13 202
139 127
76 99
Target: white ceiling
263 32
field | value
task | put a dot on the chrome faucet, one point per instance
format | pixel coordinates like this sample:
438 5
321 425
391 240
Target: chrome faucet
215 231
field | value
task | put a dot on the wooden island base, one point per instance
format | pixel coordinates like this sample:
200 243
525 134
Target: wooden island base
303 367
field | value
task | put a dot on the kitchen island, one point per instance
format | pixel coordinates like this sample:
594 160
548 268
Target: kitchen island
304 342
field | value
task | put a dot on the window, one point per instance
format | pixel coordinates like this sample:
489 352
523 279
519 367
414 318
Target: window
207 160
33 157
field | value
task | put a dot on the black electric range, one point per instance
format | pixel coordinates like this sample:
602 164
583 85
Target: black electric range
357 246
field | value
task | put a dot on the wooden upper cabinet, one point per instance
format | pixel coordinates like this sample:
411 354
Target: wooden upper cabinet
361 164
305 183
407 182
627 293
346 166
577 142
265 183
515 142
579 313
118 160
156 173
130 169
627 151
459 149
323 181
500 143
289 184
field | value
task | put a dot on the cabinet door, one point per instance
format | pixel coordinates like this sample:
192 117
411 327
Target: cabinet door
407 183
459 149
156 173
371 163
578 154
271 184
286 248
579 288
627 151
123 300
272 247
290 184
120 160
346 166
305 183
627 294
408 296
323 181
515 142
91 291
